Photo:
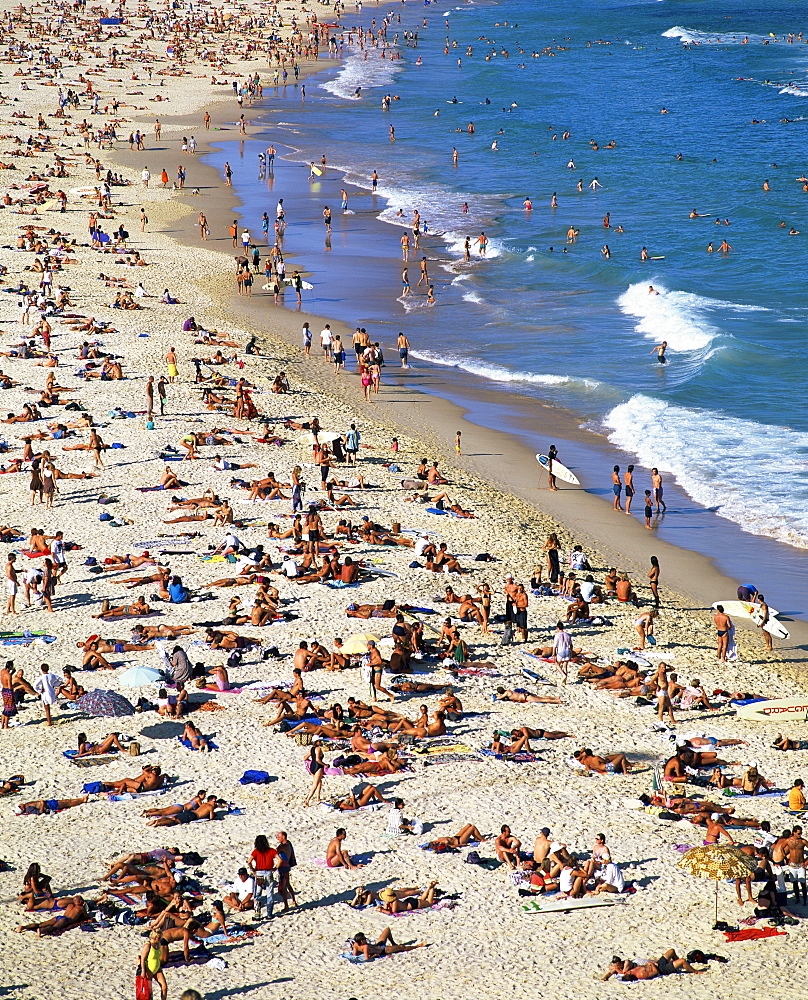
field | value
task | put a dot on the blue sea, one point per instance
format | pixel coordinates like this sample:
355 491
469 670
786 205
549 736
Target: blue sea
675 88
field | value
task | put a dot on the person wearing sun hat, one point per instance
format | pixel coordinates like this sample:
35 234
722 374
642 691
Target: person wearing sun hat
393 903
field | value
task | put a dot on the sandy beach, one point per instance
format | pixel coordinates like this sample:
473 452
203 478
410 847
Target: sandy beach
487 940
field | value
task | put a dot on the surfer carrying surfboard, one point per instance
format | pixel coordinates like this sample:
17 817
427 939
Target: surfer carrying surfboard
552 455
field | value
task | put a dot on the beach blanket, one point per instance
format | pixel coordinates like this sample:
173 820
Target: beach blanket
93 759
26 640
736 793
354 959
189 746
516 758
477 672
370 807
235 934
441 904
452 757
753 933
216 690
443 747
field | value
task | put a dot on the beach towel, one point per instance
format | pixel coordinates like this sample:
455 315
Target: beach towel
72 756
477 672
354 959
452 758
737 793
370 807
189 746
440 904
212 687
516 758
753 933
235 934
27 640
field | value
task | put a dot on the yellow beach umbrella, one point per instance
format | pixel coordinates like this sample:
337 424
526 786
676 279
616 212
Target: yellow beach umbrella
358 643
718 862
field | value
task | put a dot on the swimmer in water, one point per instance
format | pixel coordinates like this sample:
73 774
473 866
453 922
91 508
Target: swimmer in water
660 350
652 290
644 253
695 215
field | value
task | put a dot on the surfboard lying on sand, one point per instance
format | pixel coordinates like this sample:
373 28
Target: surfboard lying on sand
751 612
559 470
553 905
788 709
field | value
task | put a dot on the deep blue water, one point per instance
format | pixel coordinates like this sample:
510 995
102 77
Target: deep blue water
726 417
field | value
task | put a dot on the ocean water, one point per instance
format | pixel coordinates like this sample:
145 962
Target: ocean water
726 418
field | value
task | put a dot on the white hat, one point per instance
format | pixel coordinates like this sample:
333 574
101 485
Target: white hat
715 816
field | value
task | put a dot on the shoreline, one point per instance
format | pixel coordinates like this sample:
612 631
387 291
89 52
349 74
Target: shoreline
690 526
510 461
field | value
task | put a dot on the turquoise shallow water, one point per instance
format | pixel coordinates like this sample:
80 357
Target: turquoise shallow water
726 417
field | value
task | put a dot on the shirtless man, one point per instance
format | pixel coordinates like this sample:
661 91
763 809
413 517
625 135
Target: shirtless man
336 856
507 847
140 607
665 965
723 623
795 847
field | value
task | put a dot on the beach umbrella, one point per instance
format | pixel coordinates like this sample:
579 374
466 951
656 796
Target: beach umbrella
718 862
105 703
358 643
140 676
324 437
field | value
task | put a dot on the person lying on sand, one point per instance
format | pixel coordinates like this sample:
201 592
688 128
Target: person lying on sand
73 914
464 835
667 964
521 744
206 811
384 945
393 902
520 695
218 639
150 779
109 744
362 795
114 564
140 607
613 763
193 803
41 806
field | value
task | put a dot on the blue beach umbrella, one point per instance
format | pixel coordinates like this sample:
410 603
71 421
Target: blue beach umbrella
105 703
140 676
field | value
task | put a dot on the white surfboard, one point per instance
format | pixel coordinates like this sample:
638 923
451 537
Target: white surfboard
786 709
553 905
559 470
751 612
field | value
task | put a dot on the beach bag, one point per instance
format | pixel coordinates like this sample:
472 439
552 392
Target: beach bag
507 634
143 988
134 749
304 739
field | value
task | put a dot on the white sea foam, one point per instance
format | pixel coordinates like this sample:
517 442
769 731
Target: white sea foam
754 474
473 297
684 319
692 35
356 71
794 91
496 373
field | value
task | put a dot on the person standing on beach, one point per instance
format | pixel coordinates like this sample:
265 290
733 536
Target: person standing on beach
723 624
297 284
45 685
617 488
344 195
306 339
327 219
374 181
171 363
403 350
202 222
162 382
352 439
228 175
405 282
234 232
405 246
11 584
656 482
150 397
326 341
763 609
653 580
552 455
457 443
649 510
424 274
562 649
7 692
629 487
